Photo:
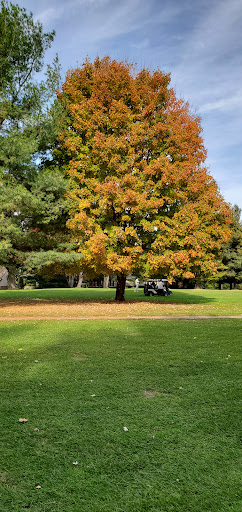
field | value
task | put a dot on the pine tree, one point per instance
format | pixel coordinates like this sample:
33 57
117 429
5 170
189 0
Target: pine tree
232 252
33 206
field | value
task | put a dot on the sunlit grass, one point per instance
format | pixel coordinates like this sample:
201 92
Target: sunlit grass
174 385
86 302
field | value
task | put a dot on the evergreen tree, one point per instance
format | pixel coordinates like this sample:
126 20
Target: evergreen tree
232 252
33 207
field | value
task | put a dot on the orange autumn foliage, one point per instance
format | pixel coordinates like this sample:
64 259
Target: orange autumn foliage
142 197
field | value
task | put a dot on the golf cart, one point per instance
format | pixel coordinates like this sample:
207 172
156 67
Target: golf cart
157 287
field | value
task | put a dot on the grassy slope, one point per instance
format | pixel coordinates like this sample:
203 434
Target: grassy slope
172 384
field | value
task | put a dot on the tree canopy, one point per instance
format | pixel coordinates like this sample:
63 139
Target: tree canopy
232 251
142 198
33 206
22 49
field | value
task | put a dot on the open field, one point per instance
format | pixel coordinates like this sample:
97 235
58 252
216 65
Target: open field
123 416
86 303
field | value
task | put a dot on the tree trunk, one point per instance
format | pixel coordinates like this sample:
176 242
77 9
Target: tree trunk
120 290
12 277
105 281
80 279
70 280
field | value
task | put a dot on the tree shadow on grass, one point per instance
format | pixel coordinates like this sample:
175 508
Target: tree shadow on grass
177 297
101 296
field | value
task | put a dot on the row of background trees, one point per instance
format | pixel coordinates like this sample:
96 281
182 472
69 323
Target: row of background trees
107 176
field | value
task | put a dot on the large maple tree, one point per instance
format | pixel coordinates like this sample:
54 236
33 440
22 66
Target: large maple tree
142 198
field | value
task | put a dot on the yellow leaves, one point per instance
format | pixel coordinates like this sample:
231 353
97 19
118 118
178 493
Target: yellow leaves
99 140
131 197
116 235
195 253
111 253
147 226
108 189
125 218
135 158
131 232
119 264
97 244
81 223
109 149
84 203
188 275
134 251
119 115
180 258
94 251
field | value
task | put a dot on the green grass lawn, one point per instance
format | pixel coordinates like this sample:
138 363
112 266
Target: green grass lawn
173 385
184 302
196 296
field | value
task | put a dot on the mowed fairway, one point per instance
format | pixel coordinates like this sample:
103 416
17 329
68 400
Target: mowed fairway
99 303
123 416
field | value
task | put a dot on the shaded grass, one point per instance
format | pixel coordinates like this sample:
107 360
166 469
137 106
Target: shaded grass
173 385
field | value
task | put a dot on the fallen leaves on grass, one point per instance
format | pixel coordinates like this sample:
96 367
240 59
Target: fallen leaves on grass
93 309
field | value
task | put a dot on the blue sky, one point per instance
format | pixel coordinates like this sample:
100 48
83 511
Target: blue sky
198 41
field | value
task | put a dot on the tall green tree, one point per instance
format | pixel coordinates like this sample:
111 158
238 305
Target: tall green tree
22 49
33 206
232 252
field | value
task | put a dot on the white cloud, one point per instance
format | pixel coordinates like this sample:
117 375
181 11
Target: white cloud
49 15
209 60
141 44
218 29
223 104
62 10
